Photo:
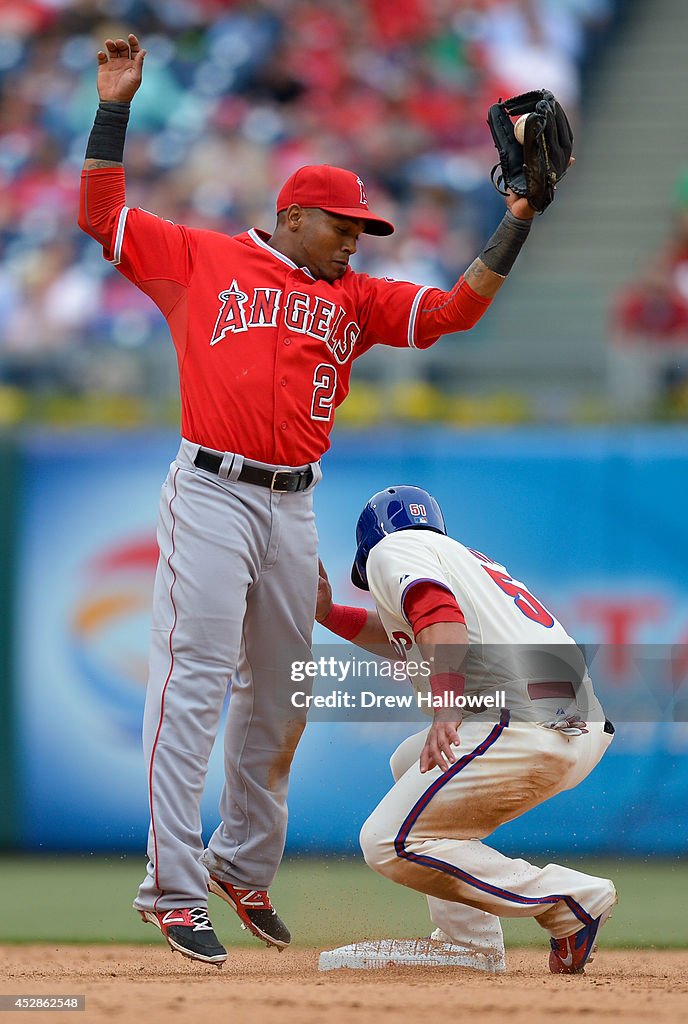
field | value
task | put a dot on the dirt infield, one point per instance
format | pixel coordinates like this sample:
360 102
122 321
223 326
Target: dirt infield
152 984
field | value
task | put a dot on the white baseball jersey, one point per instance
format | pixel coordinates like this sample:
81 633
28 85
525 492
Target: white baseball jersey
513 639
427 833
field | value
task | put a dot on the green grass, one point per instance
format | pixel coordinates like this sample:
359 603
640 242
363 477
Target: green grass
325 902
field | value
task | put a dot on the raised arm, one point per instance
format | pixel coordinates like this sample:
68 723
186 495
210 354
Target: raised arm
120 69
403 314
103 191
437 312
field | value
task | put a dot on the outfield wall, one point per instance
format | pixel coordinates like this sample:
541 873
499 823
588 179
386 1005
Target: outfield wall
594 521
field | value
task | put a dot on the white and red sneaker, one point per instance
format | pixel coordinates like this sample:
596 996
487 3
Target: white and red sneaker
189 931
255 911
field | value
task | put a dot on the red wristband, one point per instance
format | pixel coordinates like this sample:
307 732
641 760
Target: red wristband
345 621
447 682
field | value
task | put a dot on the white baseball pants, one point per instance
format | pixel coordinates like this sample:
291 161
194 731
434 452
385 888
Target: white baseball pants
427 831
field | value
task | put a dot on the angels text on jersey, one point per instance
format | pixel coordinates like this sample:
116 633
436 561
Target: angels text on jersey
312 315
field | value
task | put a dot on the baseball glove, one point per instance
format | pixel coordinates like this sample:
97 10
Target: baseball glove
535 168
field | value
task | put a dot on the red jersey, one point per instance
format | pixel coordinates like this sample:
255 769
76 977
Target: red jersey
264 349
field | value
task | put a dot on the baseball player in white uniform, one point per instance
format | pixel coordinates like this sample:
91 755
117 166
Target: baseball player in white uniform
480 632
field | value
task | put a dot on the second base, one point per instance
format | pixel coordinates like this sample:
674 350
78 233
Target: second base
379 953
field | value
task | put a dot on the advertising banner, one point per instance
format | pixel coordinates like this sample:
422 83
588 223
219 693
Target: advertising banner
594 521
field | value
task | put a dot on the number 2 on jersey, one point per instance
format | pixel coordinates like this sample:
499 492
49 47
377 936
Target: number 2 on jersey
324 387
524 601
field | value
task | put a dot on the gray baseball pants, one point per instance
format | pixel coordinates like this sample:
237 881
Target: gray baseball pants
234 601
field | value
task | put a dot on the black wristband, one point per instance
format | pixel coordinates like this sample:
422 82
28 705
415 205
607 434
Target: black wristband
499 254
106 141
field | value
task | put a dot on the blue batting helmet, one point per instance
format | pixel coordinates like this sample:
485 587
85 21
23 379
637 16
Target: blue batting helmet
397 508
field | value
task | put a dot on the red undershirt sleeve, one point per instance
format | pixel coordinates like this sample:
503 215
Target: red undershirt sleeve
427 602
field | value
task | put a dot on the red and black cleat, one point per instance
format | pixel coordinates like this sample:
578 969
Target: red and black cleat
189 931
255 911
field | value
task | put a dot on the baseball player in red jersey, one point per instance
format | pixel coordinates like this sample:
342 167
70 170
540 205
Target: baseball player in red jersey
265 328
481 633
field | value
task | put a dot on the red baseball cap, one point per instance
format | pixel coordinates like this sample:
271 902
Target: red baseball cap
334 190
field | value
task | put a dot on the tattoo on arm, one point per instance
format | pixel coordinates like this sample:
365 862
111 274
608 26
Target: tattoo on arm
482 280
90 165
476 271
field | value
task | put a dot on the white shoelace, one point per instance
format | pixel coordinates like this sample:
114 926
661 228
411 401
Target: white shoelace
199 916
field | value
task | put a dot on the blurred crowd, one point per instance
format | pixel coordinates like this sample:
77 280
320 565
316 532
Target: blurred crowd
235 97
649 324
